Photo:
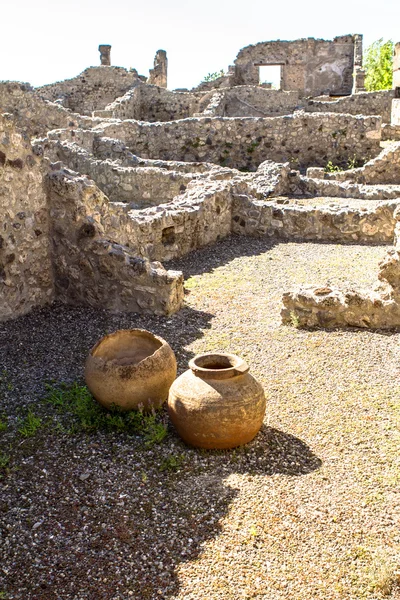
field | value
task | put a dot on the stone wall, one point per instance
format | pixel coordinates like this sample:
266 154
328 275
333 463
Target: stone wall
390 132
152 103
91 90
105 148
384 169
378 308
362 103
312 186
25 265
336 223
313 67
138 186
248 101
302 139
36 115
91 269
201 217
210 210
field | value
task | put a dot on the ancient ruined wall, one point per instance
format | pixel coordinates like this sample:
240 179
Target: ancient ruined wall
152 103
90 268
303 139
347 189
363 103
34 114
331 307
91 90
384 169
201 217
25 264
342 224
311 66
248 101
390 132
139 187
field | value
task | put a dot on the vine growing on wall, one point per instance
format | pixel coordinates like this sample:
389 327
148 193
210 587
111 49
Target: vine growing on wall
378 63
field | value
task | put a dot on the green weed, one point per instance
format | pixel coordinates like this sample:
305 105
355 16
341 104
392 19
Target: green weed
3 427
89 416
30 425
4 460
294 320
172 462
252 147
331 168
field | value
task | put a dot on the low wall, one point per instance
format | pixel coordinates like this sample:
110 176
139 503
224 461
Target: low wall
346 189
301 139
377 308
337 223
25 261
200 218
390 132
384 169
362 103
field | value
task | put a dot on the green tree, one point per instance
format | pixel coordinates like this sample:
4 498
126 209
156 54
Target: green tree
378 62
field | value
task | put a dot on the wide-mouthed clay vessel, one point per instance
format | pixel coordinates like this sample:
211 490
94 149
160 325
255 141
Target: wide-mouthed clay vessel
216 403
130 369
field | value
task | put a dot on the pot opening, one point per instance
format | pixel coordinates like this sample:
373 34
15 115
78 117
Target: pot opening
128 347
215 362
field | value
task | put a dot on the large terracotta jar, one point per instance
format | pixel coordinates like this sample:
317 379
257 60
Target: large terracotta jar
216 403
130 369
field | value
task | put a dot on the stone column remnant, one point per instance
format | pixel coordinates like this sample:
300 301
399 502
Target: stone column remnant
358 72
396 66
158 75
105 54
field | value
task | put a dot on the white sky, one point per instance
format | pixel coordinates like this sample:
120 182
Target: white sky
49 40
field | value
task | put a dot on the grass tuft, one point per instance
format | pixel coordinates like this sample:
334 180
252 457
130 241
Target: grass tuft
30 425
76 400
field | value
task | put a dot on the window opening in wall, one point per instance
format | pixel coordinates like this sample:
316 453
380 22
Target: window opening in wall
270 74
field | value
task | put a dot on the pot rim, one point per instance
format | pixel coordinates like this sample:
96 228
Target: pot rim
238 366
141 332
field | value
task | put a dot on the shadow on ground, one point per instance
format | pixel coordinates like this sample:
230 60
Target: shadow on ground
99 517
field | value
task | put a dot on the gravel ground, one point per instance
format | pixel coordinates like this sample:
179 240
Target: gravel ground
309 510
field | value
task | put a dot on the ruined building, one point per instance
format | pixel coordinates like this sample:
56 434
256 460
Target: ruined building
106 176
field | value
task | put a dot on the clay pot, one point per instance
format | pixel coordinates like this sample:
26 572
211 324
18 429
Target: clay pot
216 403
130 369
